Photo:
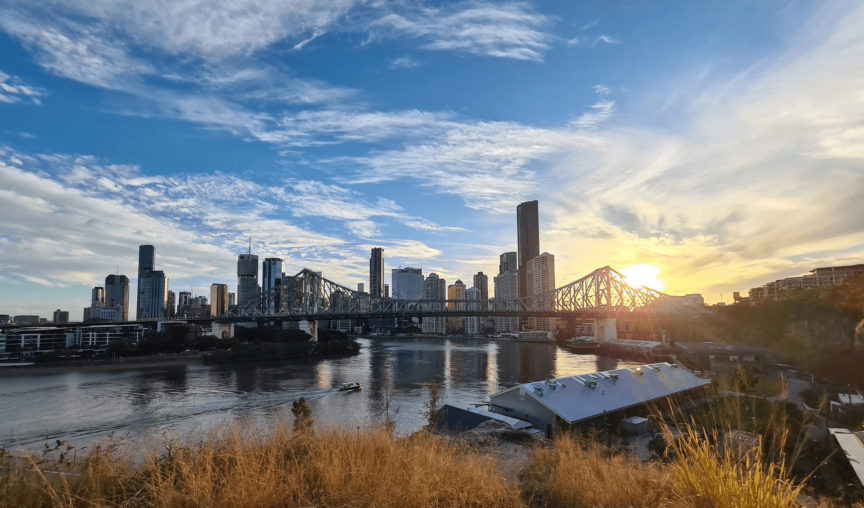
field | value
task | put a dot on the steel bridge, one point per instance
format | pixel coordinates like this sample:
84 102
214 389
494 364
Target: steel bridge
309 296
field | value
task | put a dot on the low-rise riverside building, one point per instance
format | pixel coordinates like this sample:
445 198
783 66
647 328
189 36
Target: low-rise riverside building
556 404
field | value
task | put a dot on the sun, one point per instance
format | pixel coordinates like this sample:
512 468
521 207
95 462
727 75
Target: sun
643 275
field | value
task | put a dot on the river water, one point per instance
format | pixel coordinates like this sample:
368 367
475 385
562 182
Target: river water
158 404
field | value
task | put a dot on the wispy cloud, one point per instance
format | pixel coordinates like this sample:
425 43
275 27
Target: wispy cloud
502 30
592 41
601 89
200 221
212 30
404 62
75 51
13 90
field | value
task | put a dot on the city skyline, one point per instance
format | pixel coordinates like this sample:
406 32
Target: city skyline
322 139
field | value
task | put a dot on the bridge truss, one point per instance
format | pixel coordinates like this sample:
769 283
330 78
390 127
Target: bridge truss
308 295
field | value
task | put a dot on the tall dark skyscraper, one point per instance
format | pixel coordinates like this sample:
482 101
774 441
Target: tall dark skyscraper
152 285
146 264
271 280
528 240
247 278
481 282
117 294
509 262
376 273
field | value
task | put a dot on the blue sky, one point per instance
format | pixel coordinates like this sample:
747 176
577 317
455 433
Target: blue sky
721 142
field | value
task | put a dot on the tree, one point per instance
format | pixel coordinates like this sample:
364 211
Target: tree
432 409
302 415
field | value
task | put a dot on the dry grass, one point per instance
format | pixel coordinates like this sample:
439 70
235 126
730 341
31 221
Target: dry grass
337 468
700 474
333 468
728 474
571 475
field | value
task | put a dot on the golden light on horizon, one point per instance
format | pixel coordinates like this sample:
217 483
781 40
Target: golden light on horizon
643 275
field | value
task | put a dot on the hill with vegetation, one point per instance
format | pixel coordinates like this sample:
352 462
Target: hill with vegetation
820 330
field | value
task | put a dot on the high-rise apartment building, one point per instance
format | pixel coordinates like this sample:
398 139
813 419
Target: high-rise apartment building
508 262
61 316
376 273
184 300
528 240
456 291
435 288
407 283
97 296
117 294
472 323
271 281
506 292
247 278
541 275
481 282
171 305
218 299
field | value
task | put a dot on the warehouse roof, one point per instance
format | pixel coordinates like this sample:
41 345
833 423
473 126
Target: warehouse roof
577 398
852 446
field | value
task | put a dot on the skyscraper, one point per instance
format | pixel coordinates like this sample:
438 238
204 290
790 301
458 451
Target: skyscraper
170 305
528 240
271 280
407 283
472 323
117 294
97 296
184 300
541 276
376 273
218 299
153 295
509 262
435 288
146 264
361 288
247 278
481 282
456 291
506 291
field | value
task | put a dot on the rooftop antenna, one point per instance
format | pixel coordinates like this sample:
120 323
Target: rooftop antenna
250 245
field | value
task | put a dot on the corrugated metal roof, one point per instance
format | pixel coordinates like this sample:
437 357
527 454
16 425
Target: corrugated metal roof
851 444
513 422
577 398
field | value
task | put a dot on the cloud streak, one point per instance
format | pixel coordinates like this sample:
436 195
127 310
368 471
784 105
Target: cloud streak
501 30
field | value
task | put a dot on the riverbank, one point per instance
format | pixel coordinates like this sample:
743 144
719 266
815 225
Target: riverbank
107 364
240 353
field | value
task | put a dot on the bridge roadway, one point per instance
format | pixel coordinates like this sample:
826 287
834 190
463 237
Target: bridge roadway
582 315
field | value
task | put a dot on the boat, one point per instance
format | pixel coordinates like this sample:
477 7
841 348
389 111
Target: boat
350 387
582 344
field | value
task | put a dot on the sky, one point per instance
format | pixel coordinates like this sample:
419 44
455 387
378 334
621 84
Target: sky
721 142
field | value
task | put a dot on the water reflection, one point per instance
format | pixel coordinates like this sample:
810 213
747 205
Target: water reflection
136 404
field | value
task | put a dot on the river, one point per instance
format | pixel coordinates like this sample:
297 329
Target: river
158 404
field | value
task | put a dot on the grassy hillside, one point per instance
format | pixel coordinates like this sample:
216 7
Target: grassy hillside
341 468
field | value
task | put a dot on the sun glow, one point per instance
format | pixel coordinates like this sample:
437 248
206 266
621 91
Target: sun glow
643 275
